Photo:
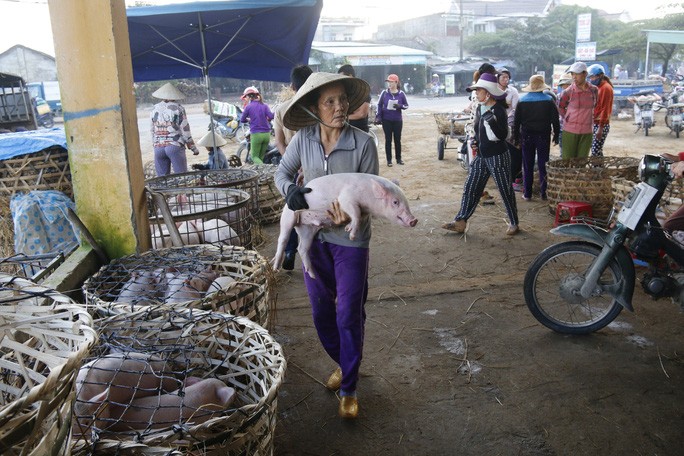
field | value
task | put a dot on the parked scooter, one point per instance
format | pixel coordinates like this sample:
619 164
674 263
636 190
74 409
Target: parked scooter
644 113
579 287
44 116
271 157
673 118
229 126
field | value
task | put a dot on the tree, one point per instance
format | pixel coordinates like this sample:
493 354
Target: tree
537 43
665 52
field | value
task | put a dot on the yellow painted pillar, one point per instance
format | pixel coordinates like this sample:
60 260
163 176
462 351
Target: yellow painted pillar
96 82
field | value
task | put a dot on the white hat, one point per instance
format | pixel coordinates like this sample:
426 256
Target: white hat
168 92
578 67
489 83
251 90
210 139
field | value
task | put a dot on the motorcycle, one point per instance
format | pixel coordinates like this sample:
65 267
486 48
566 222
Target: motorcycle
578 287
644 116
44 116
229 126
271 157
673 117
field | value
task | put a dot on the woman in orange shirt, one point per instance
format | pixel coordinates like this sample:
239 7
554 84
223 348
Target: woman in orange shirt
603 109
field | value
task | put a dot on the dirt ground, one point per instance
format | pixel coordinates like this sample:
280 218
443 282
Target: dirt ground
454 363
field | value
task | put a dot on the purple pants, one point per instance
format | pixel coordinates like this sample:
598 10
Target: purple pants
165 156
338 297
539 145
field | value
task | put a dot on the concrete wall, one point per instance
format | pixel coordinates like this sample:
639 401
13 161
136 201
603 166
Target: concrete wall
33 66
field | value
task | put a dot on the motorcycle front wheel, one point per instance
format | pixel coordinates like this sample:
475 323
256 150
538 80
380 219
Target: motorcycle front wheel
552 289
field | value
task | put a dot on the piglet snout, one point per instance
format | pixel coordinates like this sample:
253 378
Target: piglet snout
413 222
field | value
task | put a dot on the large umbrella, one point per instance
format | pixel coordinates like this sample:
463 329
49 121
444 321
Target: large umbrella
242 39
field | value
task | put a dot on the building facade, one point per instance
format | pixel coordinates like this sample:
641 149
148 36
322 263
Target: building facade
31 65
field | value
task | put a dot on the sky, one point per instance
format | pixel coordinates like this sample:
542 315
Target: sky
30 19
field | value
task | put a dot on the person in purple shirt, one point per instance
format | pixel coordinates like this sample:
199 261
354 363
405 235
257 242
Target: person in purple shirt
259 115
392 101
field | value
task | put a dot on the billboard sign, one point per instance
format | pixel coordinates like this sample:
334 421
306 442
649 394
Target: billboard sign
585 51
583 27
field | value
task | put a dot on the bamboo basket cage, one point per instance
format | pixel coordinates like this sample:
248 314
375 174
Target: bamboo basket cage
201 344
239 179
44 338
271 202
588 180
209 215
250 294
447 126
47 169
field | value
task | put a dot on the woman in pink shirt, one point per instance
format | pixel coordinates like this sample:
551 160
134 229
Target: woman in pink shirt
576 109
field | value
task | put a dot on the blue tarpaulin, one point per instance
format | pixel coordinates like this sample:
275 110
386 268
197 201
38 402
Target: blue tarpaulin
242 39
28 142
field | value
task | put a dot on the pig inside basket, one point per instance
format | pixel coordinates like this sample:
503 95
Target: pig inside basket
172 377
193 216
125 392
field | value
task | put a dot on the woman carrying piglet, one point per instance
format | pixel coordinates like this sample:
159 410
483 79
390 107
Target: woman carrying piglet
326 144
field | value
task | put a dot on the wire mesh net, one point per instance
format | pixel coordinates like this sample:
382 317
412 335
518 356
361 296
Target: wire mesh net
194 381
224 278
188 216
240 179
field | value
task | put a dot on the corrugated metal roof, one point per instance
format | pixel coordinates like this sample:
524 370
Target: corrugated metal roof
350 49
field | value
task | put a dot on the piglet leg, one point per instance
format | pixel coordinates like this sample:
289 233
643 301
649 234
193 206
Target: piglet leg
287 223
306 236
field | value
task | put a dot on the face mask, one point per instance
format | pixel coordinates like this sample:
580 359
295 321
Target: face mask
595 81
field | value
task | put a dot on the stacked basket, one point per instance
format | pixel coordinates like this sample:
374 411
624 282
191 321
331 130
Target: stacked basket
588 180
135 280
200 215
44 338
271 202
47 169
201 345
240 179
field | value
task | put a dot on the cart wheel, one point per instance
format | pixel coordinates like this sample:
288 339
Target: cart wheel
441 144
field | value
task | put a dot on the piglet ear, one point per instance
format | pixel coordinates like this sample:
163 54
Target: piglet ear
379 190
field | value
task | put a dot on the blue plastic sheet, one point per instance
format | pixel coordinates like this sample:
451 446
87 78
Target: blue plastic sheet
28 142
41 224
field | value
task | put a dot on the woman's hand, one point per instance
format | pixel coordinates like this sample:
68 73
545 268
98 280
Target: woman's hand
295 197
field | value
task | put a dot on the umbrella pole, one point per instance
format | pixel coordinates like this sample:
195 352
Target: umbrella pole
211 109
205 71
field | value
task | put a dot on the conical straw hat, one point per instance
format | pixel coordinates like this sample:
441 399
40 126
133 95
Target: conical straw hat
168 92
295 117
210 139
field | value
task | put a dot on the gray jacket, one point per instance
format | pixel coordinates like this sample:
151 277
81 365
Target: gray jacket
355 152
